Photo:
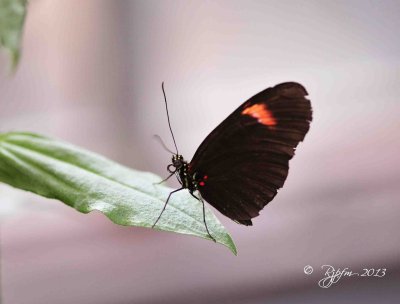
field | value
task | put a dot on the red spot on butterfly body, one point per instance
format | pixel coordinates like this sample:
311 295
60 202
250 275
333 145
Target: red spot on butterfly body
261 113
202 184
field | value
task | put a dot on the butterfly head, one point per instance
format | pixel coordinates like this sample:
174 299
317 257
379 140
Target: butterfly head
177 160
177 163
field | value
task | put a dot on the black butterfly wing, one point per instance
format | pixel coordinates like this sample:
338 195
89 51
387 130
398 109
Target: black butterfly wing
244 161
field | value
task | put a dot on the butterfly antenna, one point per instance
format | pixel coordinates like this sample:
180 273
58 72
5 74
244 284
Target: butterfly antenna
169 123
159 139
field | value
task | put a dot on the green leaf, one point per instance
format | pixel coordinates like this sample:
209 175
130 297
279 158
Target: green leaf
87 182
12 17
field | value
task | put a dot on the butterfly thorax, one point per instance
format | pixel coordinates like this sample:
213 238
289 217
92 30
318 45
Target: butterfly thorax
180 167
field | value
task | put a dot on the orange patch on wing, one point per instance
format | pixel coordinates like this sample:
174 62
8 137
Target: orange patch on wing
261 113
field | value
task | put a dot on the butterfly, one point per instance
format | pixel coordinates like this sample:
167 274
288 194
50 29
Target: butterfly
242 163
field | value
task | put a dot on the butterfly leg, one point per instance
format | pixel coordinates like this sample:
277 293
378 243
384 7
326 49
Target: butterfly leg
204 215
165 205
165 179
171 171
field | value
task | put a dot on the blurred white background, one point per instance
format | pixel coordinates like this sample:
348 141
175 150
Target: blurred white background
91 74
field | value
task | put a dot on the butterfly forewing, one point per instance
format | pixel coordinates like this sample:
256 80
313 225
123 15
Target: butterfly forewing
244 161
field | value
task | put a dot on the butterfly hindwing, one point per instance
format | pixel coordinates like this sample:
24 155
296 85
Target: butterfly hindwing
244 161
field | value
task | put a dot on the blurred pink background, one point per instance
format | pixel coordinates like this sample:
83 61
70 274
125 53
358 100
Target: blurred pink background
91 74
